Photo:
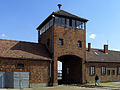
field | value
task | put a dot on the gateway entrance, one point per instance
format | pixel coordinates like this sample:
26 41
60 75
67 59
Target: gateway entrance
71 69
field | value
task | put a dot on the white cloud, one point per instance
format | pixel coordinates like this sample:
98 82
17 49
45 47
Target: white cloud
92 36
3 35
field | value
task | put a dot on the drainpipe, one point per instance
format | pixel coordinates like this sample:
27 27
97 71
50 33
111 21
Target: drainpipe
52 63
50 83
85 53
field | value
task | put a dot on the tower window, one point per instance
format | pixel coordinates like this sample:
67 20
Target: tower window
62 21
67 22
79 44
57 21
70 22
60 41
73 23
80 25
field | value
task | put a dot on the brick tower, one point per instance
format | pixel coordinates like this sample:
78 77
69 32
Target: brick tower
64 35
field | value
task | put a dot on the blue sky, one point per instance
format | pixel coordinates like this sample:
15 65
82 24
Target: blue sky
20 18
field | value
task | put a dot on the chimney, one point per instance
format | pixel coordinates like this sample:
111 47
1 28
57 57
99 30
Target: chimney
89 47
106 49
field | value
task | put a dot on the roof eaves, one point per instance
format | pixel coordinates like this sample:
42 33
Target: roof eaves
105 61
44 21
25 58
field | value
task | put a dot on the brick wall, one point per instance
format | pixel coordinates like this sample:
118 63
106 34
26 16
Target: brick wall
70 38
39 70
109 66
44 38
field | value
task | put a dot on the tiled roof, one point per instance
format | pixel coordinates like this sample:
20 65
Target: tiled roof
97 55
21 49
64 13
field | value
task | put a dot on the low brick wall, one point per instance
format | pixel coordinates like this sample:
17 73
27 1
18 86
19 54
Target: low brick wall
39 70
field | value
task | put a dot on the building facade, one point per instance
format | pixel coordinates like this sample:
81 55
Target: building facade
103 62
64 35
61 37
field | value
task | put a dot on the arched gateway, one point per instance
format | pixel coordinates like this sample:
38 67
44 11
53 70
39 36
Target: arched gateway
71 69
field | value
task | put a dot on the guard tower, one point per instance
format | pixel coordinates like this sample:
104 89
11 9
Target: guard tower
64 35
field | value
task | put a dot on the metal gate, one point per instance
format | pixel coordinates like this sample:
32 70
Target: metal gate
2 79
21 79
14 79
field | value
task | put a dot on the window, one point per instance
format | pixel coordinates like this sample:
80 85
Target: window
57 20
103 70
79 44
48 42
78 24
70 22
108 72
92 70
73 23
62 21
67 22
60 41
20 65
82 25
118 70
113 72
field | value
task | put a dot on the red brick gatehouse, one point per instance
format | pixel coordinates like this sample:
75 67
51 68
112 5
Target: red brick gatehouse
61 37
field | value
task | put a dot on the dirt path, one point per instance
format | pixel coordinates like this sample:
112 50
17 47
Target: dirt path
103 86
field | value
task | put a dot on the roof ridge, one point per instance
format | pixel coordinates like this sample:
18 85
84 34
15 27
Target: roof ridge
65 12
57 12
8 49
103 49
16 41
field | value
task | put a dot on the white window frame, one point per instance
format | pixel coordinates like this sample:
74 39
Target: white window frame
103 70
118 70
92 70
